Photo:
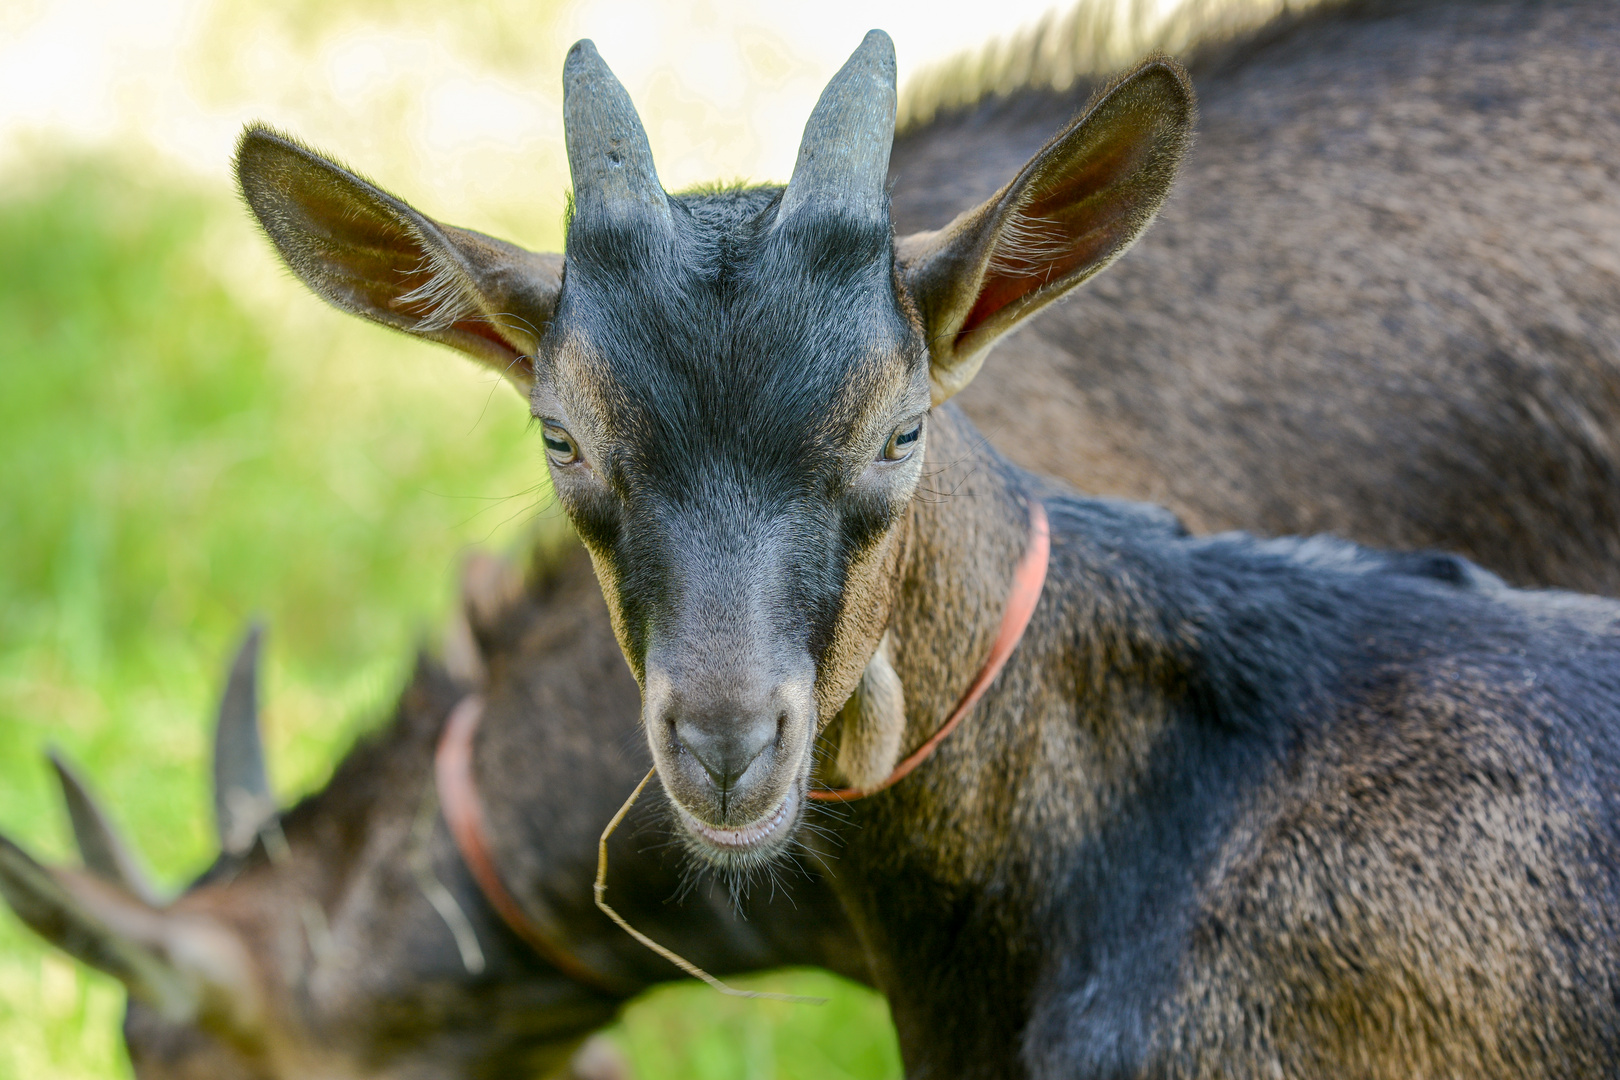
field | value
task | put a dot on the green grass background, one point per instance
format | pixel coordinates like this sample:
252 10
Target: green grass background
186 440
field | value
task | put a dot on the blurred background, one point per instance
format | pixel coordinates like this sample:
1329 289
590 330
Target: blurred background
188 439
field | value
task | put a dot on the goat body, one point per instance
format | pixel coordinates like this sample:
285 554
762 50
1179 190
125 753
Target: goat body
1236 807
1242 807
1381 302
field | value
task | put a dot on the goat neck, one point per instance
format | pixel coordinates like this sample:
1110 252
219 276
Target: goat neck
962 548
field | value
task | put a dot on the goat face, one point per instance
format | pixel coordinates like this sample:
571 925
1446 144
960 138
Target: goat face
734 386
734 416
733 399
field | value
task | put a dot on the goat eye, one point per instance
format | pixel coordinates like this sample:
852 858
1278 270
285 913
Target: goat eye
560 446
902 442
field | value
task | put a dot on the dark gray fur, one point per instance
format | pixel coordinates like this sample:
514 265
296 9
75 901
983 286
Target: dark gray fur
1243 808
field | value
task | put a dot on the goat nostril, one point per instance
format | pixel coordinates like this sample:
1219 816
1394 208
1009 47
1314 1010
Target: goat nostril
718 776
710 757
724 752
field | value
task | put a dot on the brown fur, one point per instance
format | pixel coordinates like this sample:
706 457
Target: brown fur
1381 302
1415 890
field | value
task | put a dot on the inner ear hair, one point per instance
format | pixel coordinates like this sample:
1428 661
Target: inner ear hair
1074 208
872 722
368 253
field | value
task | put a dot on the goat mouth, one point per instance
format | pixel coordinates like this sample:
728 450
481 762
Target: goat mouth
757 834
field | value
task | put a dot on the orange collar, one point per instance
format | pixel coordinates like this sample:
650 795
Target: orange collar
464 814
1028 580
464 811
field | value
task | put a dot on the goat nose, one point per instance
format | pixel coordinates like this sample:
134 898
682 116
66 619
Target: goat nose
727 748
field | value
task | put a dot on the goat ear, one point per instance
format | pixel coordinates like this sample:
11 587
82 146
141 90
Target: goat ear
1075 208
872 723
104 852
489 586
187 967
368 253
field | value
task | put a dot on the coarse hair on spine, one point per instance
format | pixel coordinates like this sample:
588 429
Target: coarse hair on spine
1092 40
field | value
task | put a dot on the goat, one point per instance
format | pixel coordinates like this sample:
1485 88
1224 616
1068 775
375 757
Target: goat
346 938
1382 302
1326 330
1234 807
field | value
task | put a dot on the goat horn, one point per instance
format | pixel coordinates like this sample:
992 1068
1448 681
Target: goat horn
242 799
100 847
843 163
608 155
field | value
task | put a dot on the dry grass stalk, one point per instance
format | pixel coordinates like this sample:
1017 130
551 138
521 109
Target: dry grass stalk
673 957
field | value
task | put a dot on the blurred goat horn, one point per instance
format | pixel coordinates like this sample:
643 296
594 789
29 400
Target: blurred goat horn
608 155
843 163
242 799
104 852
